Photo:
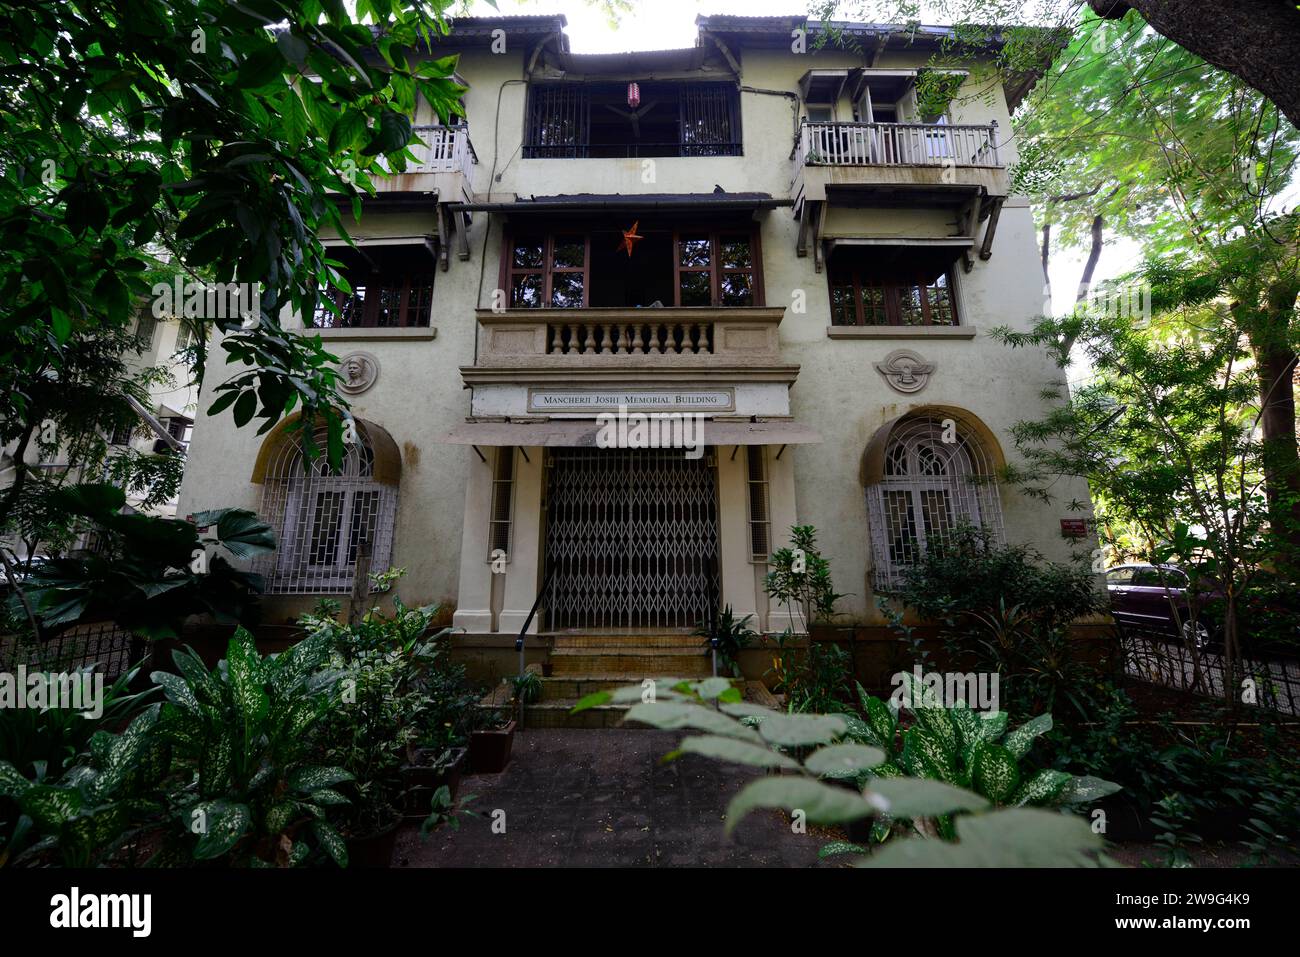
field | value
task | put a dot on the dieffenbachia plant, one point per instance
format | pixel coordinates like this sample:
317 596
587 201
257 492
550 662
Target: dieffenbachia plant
818 764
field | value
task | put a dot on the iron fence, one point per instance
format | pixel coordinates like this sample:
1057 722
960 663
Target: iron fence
1162 659
112 648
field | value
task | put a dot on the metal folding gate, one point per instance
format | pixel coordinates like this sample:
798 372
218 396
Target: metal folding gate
631 538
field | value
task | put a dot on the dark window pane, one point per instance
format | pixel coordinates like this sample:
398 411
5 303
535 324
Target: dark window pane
566 290
526 292
365 507
873 306
909 306
901 529
418 306
736 289
390 303
842 313
941 311
696 289
735 253
694 251
325 528
570 252
528 253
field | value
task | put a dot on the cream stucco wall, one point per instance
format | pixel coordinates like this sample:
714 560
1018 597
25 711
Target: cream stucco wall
419 394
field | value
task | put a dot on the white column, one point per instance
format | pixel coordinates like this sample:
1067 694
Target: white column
734 547
780 490
522 577
474 593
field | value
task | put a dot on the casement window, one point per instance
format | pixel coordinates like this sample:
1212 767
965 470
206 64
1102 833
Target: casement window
716 269
760 522
503 488
580 120
391 287
668 267
548 270
934 478
326 517
860 298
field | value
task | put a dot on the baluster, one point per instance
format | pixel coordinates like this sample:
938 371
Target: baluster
575 341
637 345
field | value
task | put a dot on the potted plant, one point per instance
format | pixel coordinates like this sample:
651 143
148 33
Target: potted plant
728 636
428 770
490 744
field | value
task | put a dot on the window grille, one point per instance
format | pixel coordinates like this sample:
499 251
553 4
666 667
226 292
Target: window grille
503 484
760 525
324 517
929 487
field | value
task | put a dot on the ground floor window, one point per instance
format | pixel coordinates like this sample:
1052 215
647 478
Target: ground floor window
326 518
935 476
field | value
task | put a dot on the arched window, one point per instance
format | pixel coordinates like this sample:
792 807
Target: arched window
934 476
326 518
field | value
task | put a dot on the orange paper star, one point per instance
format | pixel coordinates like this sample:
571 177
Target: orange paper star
630 238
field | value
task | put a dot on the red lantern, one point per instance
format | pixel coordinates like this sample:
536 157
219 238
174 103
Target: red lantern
633 95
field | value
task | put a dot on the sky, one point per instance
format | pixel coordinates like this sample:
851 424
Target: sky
667 24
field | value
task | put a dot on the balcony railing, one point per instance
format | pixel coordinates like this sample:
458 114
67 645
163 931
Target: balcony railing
897 144
610 337
596 338
446 149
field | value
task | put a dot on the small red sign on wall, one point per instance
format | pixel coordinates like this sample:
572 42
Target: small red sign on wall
1074 528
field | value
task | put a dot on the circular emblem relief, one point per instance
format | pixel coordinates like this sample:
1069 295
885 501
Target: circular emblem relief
905 371
358 372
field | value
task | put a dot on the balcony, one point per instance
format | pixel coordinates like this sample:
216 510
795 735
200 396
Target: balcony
899 165
569 345
897 144
444 163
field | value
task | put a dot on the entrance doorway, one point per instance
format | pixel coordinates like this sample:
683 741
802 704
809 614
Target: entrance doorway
631 539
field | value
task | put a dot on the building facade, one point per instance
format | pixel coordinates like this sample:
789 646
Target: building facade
760 239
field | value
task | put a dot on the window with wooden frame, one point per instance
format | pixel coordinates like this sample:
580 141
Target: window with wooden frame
390 287
545 269
890 290
548 270
717 269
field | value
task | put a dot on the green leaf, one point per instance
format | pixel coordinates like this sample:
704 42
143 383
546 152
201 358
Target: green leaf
798 730
262 66
12 784
711 688
737 751
671 715
1085 789
842 759
332 842
1019 741
1017 837
1043 788
994 772
920 797
593 700
835 848
244 665
50 806
927 757
223 824
177 690
308 779
821 803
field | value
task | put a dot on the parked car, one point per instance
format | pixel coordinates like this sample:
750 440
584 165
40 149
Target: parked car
1160 598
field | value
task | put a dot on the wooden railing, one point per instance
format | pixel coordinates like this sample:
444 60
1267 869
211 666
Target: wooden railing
629 338
896 144
446 149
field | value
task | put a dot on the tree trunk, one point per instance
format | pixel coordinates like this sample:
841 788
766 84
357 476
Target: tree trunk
1256 40
1275 364
1090 267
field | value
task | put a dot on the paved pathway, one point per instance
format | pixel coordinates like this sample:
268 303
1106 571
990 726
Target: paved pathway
595 798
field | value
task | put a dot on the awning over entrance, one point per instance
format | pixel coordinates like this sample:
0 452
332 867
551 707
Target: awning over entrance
581 433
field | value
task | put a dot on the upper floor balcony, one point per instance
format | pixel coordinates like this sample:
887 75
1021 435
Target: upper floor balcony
444 163
920 159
